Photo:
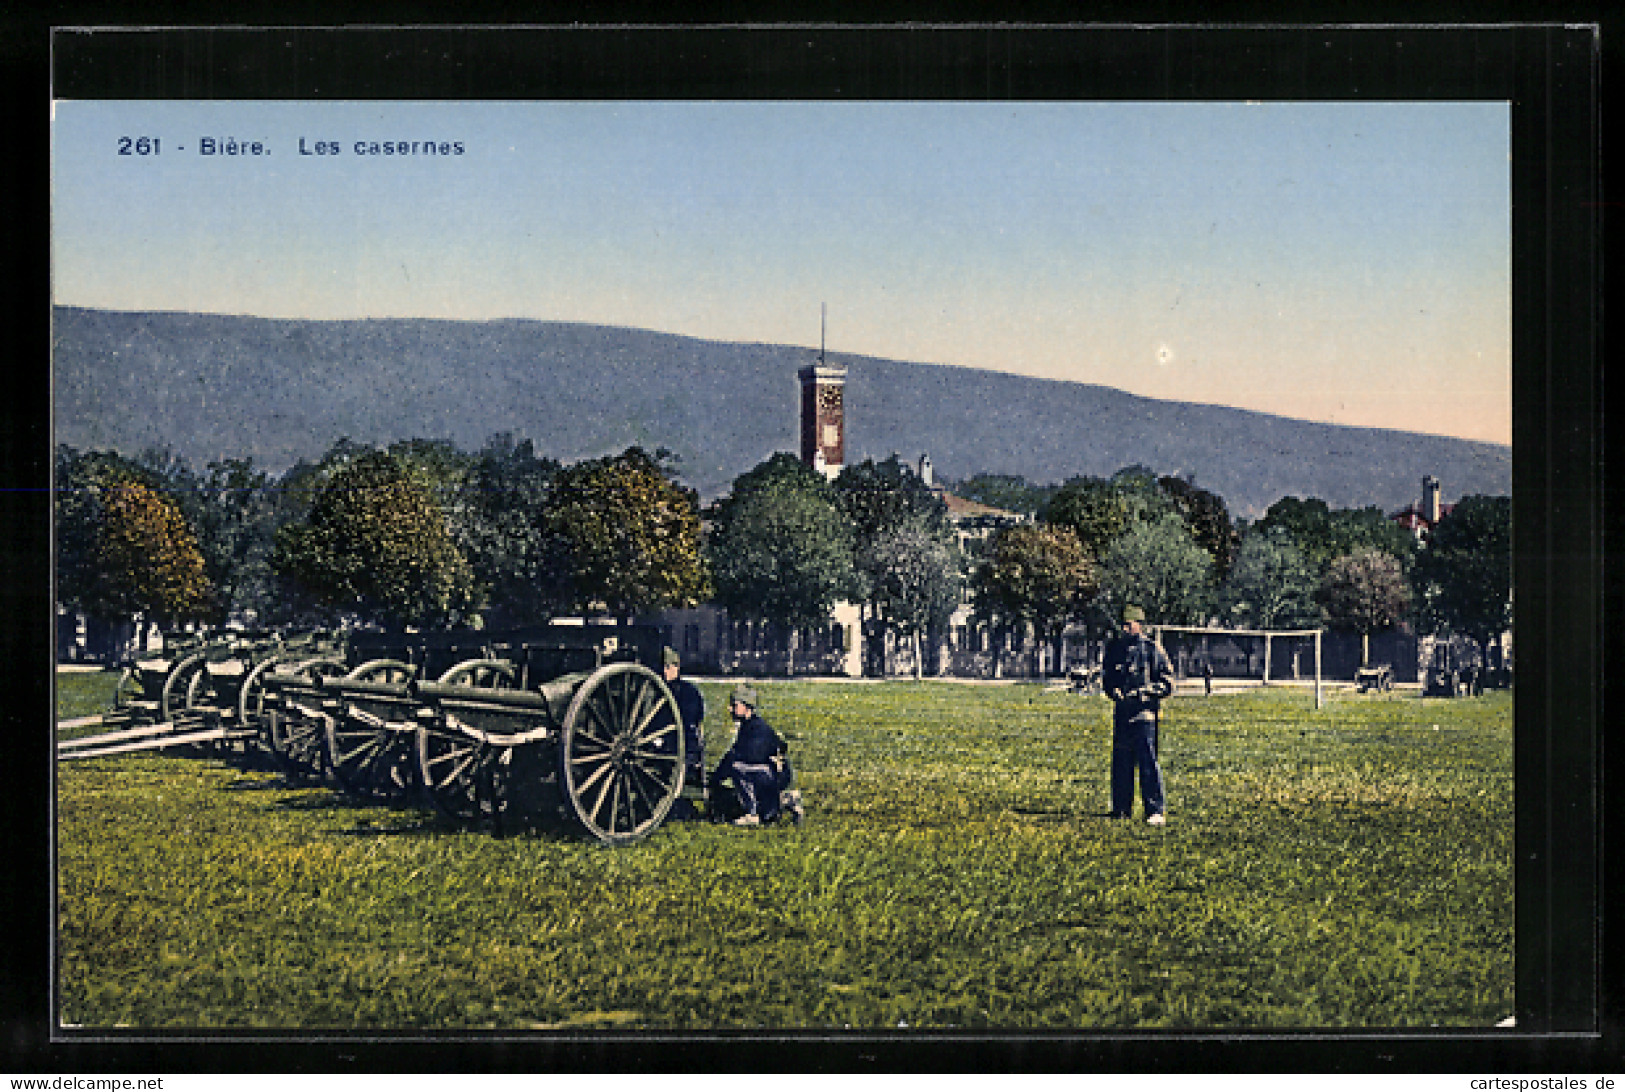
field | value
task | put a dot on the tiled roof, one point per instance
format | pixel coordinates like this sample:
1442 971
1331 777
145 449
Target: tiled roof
962 508
1411 515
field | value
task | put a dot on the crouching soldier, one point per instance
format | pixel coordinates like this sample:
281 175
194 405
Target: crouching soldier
756 770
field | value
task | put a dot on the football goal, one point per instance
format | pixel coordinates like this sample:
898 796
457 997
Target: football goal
1253 657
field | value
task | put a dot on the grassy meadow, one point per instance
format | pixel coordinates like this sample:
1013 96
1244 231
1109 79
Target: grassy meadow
1347 867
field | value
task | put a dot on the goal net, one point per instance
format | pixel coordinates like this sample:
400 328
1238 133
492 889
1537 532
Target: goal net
1233 658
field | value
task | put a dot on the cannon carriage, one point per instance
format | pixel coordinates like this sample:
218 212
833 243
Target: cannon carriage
562 722
1374 677
1455 670
152 687
196 693
567 723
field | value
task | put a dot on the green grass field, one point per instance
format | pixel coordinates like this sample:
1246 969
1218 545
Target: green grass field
1348 867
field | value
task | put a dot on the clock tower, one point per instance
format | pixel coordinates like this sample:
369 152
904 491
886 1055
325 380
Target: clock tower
823 416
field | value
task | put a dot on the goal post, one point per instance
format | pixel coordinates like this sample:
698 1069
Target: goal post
1195 645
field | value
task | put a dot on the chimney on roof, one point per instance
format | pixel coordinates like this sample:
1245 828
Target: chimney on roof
1430 499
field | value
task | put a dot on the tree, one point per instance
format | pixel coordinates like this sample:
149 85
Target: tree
1208 519
1322 534
149 557
1158 566
1093 509
1463 573
1143 493
915 579
1365 591
81 479
124 546
238 518
1035 575
440 463
1269 586
376 543
631 535
501 524
877 497
883 501
779 547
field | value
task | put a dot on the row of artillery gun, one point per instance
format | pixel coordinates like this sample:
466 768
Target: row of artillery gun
510 730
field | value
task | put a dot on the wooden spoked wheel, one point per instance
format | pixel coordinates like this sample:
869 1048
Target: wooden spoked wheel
201 694
178 686
251 698
197 691
455 769
129 688
369 756
621 753
298 742
490 674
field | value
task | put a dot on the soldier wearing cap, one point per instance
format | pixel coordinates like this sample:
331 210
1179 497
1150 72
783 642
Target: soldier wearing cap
1136 676
756 765
691 707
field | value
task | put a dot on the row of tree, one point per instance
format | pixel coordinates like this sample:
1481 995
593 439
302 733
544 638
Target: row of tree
418 533
1172 548
423 533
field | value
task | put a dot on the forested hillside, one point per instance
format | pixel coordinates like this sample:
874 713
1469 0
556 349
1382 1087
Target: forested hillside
213 386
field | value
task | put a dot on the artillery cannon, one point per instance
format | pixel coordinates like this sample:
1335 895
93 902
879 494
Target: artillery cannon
1455 670
558 722
521 728
195 692
152 687
1375 677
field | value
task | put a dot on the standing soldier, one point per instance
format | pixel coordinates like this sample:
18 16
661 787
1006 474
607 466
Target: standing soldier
691 707
1137 676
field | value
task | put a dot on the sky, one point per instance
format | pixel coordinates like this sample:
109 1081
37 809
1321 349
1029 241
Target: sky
1340 262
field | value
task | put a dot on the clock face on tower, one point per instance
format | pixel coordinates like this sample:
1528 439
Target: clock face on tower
829 399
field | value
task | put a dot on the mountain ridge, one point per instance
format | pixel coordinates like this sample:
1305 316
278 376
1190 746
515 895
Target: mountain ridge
280 390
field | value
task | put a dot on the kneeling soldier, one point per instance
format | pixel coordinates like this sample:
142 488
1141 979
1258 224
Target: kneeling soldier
756 765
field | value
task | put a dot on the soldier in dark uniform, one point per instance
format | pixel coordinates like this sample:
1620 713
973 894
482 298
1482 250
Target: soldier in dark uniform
1136 676
756 766
691 707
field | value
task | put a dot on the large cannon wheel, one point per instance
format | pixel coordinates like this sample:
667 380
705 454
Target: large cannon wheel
199 693
251 698
129 688
367 757
296 742
178 686
621 753
197 689
452 766
495 674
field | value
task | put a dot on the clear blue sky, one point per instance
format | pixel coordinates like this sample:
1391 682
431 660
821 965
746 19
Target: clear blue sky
1340 262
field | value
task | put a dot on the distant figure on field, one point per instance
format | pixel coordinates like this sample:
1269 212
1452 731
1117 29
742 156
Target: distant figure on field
1137 676
691 707
757 768
1207 678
